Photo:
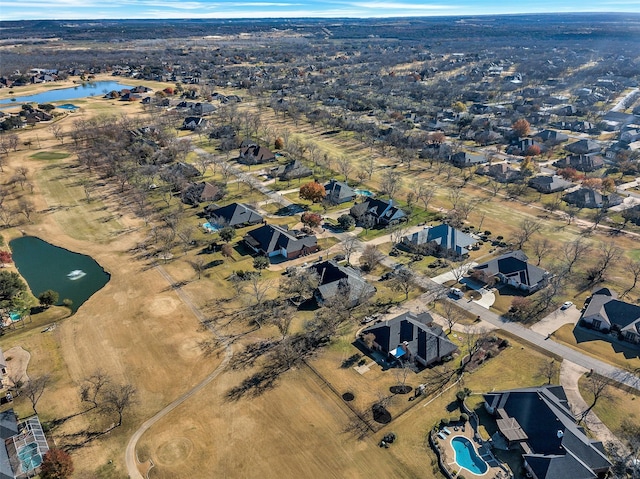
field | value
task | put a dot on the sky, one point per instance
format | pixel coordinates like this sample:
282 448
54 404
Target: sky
154 9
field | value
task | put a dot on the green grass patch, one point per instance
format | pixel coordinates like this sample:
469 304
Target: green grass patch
50 155
594 345
614 410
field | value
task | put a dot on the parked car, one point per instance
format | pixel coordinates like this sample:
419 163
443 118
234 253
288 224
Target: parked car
567 305
456 292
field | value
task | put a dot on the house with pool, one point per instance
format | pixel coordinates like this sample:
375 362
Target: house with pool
23 446
538 422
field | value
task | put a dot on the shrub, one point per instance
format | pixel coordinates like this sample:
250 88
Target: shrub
504 343
487 233
444 421
464 417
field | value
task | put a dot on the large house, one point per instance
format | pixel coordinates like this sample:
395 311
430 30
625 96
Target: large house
582 162
539 422
274 240
234 214
590 198
513 269
463 159
203 192
584 147
549 184
410 337
290 171
382 212
605 312
339 192
446 240
255 155
23 446
335 278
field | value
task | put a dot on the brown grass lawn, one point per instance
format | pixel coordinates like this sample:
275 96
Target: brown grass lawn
138 330
588 343
619 406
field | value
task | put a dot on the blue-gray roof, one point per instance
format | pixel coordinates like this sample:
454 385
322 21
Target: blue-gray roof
445 236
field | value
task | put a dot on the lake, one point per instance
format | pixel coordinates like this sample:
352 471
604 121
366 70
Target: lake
44 266
84 90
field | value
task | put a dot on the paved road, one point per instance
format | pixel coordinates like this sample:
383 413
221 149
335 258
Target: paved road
130 452
551 346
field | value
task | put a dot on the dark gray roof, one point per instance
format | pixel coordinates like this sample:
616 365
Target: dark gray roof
557 447
293 169
549 183
584 147
445 236
235 214
339 191
514 266
613 311
422 336
8 428
590 198
334 276
271 238
382 210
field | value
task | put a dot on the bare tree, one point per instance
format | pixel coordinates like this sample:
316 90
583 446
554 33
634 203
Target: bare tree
527 228
281 318
599 388
633 269
198 265
370 257
472 342
34 388
118 399
56 131
257 291
345 167
398 232
349 246
548 370
391 182
403 280
186 236
608 254
541 247
93 386
454 194
299 285
573 252
368 165
451 313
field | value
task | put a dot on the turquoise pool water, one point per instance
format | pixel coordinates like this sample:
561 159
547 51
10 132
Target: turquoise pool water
68 106
211 228
14 316
363 193
467 457
29 457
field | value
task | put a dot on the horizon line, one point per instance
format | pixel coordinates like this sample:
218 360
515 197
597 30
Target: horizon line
368 17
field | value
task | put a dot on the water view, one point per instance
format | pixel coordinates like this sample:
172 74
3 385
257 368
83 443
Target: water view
99 88
45 266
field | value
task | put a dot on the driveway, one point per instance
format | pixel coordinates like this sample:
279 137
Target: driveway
487 296
556 320
450 275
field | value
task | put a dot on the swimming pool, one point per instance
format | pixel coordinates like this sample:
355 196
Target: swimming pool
68 106
363 193
15 316
466 456
30 457
211 228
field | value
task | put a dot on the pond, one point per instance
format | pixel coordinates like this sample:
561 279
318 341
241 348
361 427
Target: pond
45 266
99 88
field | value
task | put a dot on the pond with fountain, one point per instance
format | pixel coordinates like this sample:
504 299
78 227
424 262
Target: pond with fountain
44 266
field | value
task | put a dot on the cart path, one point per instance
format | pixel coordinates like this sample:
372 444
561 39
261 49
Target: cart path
130 452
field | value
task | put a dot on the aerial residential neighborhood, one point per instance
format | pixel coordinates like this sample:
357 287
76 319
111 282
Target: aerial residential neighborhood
352 247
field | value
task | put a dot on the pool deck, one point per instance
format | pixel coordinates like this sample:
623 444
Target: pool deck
496 470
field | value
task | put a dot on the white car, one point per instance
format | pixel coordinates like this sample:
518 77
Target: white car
566 305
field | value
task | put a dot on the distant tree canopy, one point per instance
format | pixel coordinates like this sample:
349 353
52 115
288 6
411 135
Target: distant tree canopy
11 285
